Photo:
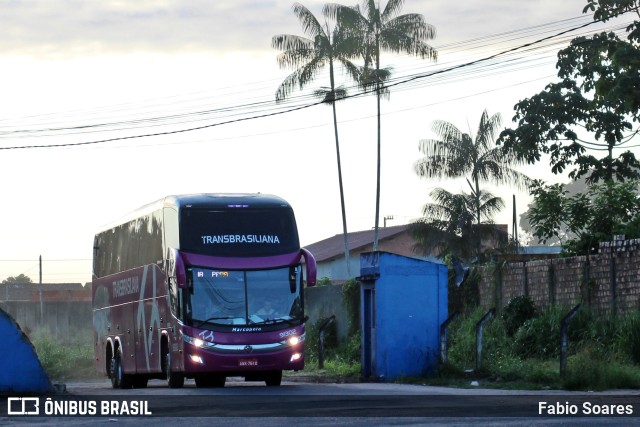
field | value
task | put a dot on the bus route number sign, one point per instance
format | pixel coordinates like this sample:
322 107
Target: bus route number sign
248 362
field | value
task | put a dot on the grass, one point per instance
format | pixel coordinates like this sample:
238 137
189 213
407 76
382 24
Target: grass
68 359
603 352
333 367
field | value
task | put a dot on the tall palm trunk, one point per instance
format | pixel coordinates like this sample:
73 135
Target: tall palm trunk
377 221
478 219
335 130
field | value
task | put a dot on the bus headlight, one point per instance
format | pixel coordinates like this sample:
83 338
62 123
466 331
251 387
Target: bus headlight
295 357
196 359
198 342
294 340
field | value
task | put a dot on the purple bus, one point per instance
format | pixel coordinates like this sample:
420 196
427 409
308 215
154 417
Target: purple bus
201 286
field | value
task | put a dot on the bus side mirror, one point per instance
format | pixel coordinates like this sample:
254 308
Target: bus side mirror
176 268
310 263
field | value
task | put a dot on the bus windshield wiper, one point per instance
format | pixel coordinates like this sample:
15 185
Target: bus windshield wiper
215 318
273 321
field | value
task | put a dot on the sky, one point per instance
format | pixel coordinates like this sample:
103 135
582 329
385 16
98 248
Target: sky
177 96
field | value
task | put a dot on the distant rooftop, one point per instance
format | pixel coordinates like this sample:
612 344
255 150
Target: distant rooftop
334 246
540 250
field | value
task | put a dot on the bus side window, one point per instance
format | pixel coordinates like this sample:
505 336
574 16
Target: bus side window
174 298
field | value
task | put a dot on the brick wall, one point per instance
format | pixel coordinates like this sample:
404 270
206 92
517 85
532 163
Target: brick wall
608 282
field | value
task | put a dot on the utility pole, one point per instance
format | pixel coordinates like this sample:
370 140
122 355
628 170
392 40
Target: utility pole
40 291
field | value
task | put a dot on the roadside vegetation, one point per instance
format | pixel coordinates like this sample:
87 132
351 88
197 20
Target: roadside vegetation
63 360
522 350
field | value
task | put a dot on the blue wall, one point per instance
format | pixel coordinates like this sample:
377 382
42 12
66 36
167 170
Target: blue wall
21 371
410 304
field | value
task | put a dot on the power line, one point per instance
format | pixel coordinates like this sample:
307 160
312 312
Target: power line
405 81
156 121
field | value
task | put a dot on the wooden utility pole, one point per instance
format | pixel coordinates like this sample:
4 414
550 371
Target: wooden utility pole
40 291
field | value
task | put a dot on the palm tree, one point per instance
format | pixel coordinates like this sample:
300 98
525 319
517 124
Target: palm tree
456 154
310 55
383 30
451 225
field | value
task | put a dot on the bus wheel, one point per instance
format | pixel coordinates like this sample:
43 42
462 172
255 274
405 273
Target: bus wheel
118 378
174 379
274 379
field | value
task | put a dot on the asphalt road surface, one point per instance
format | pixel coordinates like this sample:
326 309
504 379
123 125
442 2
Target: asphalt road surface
312 404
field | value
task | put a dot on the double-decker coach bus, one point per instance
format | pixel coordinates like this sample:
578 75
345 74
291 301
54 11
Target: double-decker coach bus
201 286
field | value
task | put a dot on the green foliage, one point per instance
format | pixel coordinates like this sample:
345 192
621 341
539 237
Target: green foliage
325 281
516 312
340 360
312 333
605 210
343 359
599 82
65 360
604 351
587 372
458 223
351 301
628 336
20 278
462 339
540 337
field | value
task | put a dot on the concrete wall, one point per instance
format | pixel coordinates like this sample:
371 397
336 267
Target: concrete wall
325 301
65 309
608 282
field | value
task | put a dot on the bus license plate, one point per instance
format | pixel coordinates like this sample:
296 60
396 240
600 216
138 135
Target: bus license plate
248 362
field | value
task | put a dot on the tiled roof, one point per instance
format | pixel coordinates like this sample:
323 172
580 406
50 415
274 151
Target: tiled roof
334 246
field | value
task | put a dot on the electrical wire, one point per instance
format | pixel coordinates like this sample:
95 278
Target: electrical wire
261 109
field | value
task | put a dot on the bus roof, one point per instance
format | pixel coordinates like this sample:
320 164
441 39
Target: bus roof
224 200
203 200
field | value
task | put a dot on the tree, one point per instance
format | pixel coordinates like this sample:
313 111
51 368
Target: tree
383 30
455 154
605 210
325 47
21 278
599 93
450 225
571 188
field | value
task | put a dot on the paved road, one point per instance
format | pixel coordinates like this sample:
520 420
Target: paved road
371 404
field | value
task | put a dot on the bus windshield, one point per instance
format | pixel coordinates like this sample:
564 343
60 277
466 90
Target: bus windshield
246 297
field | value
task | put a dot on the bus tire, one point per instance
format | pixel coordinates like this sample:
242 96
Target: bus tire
273 379
174 379
118 378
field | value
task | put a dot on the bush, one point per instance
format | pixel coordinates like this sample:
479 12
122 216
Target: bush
519 310
312 335
628 336
540 337
588 372
65 359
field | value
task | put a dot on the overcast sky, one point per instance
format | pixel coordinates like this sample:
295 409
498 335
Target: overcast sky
126 64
